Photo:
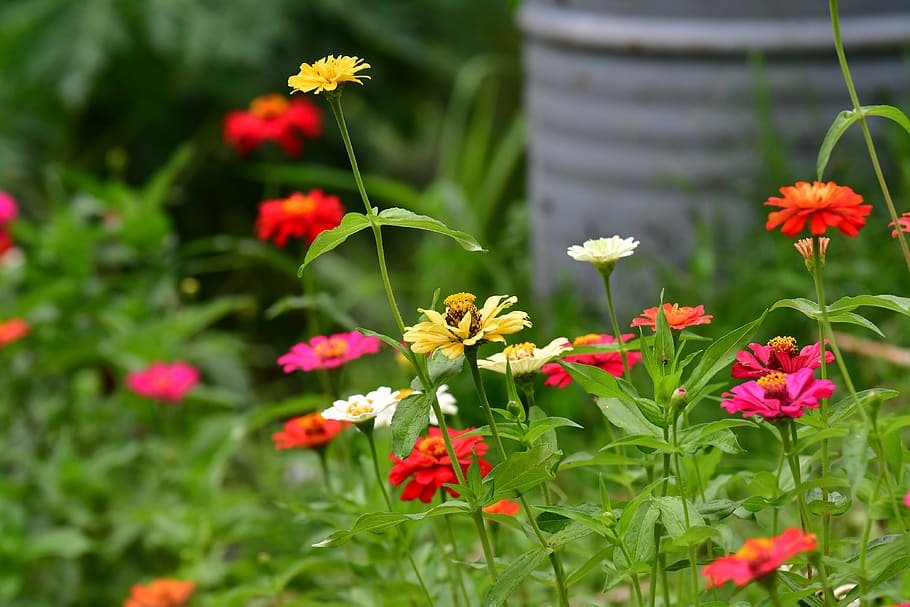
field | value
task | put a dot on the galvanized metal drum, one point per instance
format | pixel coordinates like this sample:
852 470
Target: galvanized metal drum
643 116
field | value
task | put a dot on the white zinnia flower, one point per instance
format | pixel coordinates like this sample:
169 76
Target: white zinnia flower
525 358
447 404
361 408
603 252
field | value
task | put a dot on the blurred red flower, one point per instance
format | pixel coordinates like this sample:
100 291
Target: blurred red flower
758 557
678 317
6 241
273 118
429 467
505 506
162 592
823 205
298 216
611 362
778 395
12 330
903 222
309 431
781 354
162 381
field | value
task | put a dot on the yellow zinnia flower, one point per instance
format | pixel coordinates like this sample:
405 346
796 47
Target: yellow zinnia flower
327 73
464 325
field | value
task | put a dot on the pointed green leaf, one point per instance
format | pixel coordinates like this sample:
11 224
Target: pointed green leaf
719 355
411 418
542 425
379 521
844 120
514 575
404 218
523 470
627 416
329 239
595 380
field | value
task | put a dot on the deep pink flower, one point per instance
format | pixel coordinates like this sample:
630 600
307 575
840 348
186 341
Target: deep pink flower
778 395
781 354
165 382
611 362
907 500
328 352
9 210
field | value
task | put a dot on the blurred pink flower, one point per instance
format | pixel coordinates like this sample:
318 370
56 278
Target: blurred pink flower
907 500
903 222
777 396
164 382
9 210
328 352
781 354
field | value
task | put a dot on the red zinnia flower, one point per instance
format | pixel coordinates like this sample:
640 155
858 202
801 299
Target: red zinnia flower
823 205
12 330
309 431
611 362
161 593
781 354
903 223
299 216
6 241
505 506
429 467
777 395
273 118
328 352
678 317
758 557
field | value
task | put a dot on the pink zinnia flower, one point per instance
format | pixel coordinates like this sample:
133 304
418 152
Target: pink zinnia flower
758 557
328 352
778 395
165 382
903 223
907 500
611 362
9 210
781 354
678 317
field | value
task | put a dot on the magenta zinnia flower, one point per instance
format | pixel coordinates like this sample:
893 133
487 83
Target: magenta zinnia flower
777 396
328 352
907 500
781 354
9 210
165 382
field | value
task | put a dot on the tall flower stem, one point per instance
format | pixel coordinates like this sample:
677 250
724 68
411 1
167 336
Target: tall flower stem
636 584
863 548
772 593
682 496
451 538
470 355
616 332
867 135
793 461
335 103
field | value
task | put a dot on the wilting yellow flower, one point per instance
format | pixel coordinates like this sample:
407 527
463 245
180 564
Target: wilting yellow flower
464 325
327 73
524 358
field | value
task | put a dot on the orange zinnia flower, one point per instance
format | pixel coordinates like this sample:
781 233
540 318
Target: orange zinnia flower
309 431
161 593
12 330
823 205
504 506
758 557
678 317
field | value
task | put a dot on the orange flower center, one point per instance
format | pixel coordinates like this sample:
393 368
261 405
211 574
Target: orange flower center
519 351
298 204
432 446
585 340
331 348
774 383
269 106
783 344
756 549
457 306
312 424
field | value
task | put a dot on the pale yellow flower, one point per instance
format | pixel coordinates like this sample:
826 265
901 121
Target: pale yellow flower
464 325
525 358
327 73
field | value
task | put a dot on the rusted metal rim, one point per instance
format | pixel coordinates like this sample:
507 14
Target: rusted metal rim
717 36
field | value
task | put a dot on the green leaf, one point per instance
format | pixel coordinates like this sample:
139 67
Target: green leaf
581 459
894 303
856 454
62 542
638 538
514 575
672 515
846 406
404 218
627 416
389 341
586 514
521 471
696 534
595 380
411 418
350 224
701 435
664 346
441 367
547 436
380 521
720 355
540 426
844 120
642 440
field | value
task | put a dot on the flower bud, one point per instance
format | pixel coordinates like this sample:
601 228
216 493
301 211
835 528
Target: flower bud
679 398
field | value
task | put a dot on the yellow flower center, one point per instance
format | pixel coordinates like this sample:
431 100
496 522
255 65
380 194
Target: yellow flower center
299 204
269 106
331 348
519 351
311 424
432 446
756 549
459 304
783 344
360 407
773 383
584 340
404 393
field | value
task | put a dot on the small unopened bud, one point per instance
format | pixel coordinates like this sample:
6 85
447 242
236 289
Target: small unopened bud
516 409
806 249
607 518
679 398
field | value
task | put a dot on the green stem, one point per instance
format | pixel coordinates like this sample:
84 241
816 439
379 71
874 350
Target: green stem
458 575
485 544
682 496
324 465
636 584
470 355
863 549
772 592
793 461
867 135
616 332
